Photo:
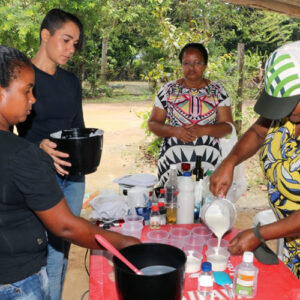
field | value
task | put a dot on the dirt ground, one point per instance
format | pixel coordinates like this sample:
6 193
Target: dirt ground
123 137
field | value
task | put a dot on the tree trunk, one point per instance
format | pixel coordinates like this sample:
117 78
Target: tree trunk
104 60
238 108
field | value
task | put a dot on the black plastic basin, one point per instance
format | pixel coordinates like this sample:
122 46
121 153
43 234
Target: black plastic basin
84 147
168 286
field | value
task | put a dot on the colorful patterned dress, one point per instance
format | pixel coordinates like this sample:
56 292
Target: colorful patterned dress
189 106
280 161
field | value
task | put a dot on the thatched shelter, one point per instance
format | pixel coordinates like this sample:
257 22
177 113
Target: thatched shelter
288 7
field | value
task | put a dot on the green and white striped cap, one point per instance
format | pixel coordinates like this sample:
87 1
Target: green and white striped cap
282 83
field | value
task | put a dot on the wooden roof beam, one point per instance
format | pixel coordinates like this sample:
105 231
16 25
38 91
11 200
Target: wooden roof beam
289 7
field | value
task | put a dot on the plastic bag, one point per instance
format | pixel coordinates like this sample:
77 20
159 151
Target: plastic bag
109 206
239 183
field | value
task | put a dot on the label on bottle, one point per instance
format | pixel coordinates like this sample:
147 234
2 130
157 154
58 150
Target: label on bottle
155 222
205 281
245 283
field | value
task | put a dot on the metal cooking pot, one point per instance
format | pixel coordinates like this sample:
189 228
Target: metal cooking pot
84 146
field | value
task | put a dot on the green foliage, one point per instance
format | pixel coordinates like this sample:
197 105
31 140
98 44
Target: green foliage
224 69
145 37
154 146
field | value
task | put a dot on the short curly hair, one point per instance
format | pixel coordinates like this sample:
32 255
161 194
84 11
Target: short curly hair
196 46
11 61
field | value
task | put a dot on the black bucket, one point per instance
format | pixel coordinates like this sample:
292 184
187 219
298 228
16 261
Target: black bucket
167 286
84 147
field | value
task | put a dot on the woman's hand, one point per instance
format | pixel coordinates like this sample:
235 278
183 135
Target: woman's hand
49 147
221 179
184 133
243 241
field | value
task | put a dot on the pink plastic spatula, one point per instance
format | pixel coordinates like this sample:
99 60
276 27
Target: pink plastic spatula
107 245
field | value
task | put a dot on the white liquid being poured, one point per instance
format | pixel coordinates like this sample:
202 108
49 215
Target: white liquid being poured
218 224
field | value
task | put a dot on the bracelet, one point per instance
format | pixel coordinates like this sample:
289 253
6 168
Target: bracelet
257 233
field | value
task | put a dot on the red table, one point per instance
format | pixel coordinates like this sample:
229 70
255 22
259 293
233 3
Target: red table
275 282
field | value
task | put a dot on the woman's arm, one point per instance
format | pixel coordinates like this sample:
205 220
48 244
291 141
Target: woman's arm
247 241
156 124
60 220
250 142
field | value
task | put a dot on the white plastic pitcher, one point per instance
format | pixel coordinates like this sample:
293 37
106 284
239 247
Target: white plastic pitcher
219 215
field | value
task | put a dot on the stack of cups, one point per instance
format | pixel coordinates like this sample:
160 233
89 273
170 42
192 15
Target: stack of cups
133 226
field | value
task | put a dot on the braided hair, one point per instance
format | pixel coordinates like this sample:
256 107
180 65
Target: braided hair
11 61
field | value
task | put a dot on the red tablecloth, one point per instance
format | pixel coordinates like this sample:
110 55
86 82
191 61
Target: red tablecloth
275 282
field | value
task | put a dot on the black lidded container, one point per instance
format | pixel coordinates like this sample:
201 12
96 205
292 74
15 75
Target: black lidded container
168 286
84 146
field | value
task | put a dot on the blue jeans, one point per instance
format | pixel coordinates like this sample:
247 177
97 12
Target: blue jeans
34 287
58 249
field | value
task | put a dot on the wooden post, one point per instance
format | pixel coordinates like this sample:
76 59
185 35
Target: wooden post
104 60
239 105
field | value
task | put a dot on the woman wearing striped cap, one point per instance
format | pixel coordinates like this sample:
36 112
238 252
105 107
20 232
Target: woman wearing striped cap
277 134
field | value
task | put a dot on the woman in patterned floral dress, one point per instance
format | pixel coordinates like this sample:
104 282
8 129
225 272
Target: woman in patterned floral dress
190 114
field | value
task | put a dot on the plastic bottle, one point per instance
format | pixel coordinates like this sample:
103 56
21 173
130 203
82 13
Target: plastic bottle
198 170
185 167
152 197
206 281
185 199
162 196
245 277
199 173
163 213
207 196
171 195
155 217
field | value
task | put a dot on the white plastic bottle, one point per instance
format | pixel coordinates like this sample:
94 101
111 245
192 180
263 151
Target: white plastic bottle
245 277
185 199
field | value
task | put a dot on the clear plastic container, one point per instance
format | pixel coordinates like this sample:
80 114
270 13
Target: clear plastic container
193 261
132 229
179 233
218 257
132 218
193 242
158 236
202 232
177 236
213 242
245 277
219 216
